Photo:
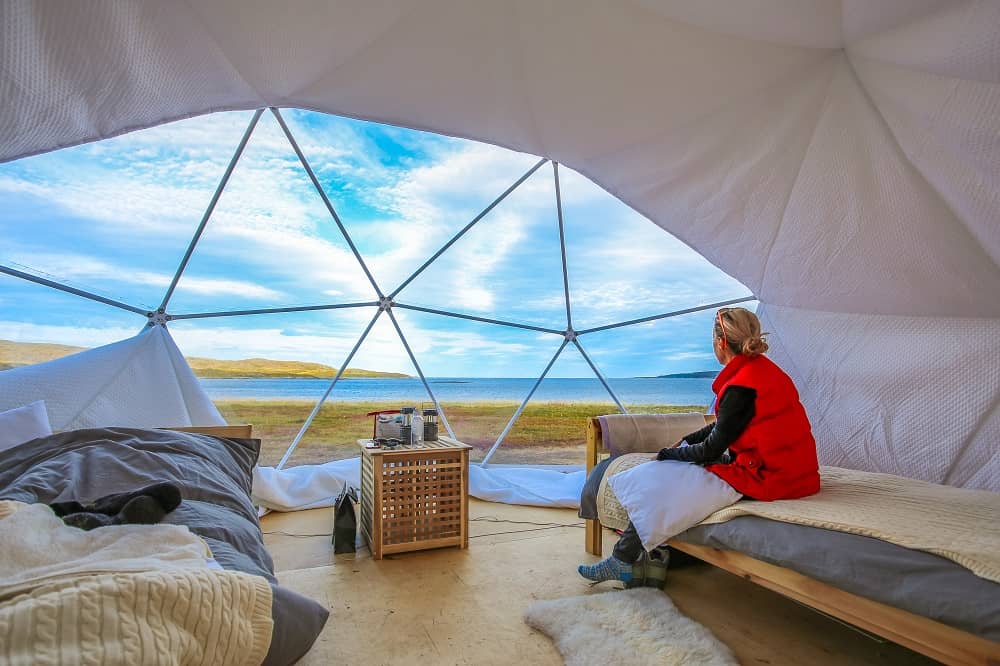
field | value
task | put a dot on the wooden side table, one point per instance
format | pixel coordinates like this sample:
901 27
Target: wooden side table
414 498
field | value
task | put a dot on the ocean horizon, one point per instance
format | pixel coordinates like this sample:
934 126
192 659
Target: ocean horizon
636 391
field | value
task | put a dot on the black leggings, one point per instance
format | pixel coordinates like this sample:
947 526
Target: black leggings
629 546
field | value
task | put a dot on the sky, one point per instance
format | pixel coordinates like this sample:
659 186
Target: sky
116 216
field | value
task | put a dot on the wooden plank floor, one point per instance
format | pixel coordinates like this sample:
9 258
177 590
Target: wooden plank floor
452 606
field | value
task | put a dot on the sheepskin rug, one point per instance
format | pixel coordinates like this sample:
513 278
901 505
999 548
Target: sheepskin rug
640 626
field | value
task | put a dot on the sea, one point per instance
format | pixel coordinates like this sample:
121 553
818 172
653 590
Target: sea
631 391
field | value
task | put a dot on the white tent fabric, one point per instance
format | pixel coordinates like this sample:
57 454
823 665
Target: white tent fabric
142 382
839 157
313 486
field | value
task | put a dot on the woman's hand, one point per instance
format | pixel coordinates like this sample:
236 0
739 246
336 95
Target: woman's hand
667 453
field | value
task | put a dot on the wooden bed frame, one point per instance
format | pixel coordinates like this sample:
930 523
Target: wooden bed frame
929 637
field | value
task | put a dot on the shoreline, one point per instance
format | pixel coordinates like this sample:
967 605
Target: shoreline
547 432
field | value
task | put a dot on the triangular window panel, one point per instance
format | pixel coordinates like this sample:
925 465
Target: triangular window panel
622 266
507 267
478 372
552 428
114 217
660 366
270 242
269 370
401 193
381 378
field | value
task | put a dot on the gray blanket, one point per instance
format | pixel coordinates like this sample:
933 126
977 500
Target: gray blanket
214 476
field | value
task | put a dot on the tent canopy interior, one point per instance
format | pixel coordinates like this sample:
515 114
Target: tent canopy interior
840 158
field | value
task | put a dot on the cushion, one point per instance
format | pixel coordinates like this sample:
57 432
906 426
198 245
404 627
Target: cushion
664 498
298 621
24 424
646 433
591 491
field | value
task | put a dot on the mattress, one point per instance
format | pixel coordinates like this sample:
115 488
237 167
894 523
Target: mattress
915 581
214 477
912 580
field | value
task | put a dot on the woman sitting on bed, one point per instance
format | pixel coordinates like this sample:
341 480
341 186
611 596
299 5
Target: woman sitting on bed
771 451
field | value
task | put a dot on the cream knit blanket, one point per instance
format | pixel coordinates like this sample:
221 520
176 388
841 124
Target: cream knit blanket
122 595
955 523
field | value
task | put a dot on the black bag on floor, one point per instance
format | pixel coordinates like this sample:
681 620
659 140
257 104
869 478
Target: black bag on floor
345 523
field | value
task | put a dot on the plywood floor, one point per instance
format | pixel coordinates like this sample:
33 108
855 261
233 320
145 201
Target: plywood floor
452 606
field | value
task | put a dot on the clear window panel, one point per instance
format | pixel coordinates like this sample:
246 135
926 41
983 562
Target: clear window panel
40 324
552 429
270 241
270 370
393 383
622 266
507 267
402 193
478 372
660 366
115 217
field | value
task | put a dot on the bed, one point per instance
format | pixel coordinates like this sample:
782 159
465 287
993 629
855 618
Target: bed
213 469
917 599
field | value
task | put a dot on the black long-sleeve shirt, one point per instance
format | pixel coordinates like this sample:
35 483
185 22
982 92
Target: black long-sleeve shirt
708 445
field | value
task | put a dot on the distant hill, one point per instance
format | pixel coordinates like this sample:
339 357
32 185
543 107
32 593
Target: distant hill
16 354
701 374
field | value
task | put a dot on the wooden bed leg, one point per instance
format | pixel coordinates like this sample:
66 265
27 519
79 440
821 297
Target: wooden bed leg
594 537
594 446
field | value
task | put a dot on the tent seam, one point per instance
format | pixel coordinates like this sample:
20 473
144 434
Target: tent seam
357 52
222 52
528 89
906 158
798 173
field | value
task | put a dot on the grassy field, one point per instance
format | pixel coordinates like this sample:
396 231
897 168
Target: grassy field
546 433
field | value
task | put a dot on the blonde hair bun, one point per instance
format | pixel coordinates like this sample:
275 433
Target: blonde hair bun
755 346
740 329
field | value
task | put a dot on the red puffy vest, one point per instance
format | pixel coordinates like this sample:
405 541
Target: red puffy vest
775 456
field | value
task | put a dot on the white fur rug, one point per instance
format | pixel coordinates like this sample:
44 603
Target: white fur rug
640 626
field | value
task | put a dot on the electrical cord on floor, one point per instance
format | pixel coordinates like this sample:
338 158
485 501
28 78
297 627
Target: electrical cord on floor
541 526
482 519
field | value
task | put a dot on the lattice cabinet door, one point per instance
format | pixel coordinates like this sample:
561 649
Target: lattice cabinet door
414 498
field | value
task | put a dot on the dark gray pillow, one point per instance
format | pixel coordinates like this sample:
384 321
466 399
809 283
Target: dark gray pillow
298 621
588 498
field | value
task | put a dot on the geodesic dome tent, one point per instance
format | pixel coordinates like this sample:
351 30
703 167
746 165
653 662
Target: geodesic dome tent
840 158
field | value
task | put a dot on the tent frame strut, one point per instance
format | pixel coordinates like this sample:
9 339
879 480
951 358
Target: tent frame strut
524 403
468 226
329 389
326 199
385 303
210 209
13 272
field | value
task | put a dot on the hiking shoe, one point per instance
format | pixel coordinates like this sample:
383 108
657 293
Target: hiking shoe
610 569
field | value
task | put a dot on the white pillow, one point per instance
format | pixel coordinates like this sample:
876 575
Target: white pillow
665 497
22 424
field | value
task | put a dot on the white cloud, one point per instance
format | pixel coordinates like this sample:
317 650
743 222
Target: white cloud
272 231
76 268
80 336
685 356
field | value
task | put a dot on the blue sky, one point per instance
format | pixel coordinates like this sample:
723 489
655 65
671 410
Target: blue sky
115 217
